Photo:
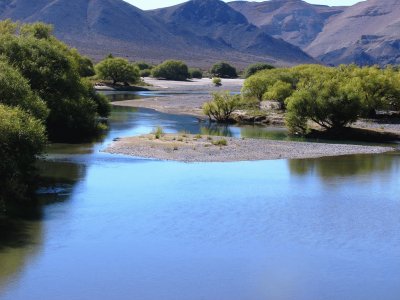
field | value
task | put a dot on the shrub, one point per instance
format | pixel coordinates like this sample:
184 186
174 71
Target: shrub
118 70
279 91
15 91
52 71
143 66
223 70
145 73
332 103
217 81
171 70
158 132
254 68
22 138
196 73
255 87
222 142
222 106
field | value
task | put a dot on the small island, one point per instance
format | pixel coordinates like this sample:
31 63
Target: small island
204 148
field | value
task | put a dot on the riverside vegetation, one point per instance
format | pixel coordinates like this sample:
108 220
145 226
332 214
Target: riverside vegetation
44 94
314 96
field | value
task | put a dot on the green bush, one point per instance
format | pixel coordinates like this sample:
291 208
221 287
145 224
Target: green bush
22 138
143 66
255 87
53 73
15 91
145 73
118 70
223 70
332 103
171 70
196 73
222 106
257 67
217 81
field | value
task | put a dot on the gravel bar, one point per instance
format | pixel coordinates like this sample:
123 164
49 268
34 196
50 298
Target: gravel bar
192 148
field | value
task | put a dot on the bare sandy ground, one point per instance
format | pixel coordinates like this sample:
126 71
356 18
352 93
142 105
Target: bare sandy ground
189 104
191 148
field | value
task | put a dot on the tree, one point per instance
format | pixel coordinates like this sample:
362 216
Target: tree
332 103
118 70
279 91
223 70
22 138
255 86
222 106
172 70
257 67
196 73
15 91
52 70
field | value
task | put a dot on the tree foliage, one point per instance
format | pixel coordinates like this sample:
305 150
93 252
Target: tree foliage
22 138
54 73
171 70
223 70
195 73
257 67
222 106
118 70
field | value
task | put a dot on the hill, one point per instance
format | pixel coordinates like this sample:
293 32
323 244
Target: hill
98 27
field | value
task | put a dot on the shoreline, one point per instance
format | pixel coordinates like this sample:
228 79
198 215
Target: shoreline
191 148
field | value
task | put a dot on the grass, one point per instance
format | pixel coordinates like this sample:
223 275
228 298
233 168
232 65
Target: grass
158 132
222 142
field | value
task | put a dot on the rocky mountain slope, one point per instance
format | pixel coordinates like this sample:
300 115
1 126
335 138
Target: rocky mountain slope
189 32
365 33
295 21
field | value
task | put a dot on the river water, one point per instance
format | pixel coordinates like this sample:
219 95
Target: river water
115 227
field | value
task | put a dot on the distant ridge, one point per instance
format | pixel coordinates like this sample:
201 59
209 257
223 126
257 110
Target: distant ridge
98 27
366 33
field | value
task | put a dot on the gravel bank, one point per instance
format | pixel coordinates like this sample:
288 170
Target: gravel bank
191 148
199 91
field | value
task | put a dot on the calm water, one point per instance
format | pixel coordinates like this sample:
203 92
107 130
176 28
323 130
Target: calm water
121 228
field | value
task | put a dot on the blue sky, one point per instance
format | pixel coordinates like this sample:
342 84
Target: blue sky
150 4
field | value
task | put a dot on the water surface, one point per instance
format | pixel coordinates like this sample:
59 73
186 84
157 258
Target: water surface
115 227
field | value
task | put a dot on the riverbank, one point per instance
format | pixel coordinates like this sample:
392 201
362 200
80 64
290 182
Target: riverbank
197 148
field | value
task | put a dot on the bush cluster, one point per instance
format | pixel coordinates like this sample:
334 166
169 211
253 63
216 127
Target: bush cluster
331 97
43 93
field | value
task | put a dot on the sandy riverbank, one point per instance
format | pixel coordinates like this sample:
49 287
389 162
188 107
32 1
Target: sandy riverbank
191 148
199 91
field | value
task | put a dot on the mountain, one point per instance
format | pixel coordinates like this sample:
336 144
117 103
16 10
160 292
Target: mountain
295 21
216 20
199 32
366 33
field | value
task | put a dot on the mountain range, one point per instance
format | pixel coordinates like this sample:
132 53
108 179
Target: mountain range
281 32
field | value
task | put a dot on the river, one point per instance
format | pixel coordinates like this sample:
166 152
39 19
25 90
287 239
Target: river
115 227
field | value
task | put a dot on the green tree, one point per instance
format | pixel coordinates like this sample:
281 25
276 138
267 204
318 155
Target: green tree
332 103
22 139
223 70
195 73
171 70
15 91
255 87
53 74
279 91
222 106
257 67
118 70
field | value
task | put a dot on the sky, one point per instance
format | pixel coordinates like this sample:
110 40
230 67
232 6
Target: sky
150 4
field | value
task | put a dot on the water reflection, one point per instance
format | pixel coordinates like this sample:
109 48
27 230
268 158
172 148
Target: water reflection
345 166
